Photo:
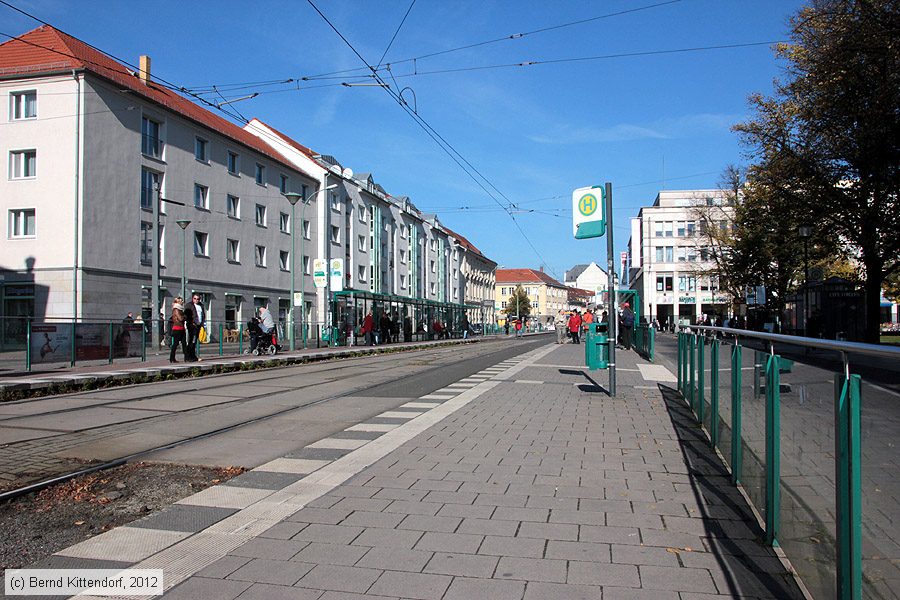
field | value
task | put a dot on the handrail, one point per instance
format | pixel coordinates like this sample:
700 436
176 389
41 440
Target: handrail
854 347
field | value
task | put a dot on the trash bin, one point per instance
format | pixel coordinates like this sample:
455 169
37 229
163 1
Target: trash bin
596 350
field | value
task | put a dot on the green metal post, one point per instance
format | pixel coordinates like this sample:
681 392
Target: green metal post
221 331
28 345
241 338
652 338
701 374
680 360
110 342
736 452
714 393
692 351
848 497
143 343
773 449
72 345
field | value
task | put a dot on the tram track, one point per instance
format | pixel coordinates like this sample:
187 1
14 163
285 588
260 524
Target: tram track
125 458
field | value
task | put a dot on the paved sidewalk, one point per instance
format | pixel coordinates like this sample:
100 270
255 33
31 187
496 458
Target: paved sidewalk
524 481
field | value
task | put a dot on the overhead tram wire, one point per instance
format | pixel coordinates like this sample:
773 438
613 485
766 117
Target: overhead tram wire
445 146
399 27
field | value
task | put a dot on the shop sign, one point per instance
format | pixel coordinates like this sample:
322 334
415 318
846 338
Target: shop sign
687 300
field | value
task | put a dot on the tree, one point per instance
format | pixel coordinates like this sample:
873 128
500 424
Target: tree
828 142
518 304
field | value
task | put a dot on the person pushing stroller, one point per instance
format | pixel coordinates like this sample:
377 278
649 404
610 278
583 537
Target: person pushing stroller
263 338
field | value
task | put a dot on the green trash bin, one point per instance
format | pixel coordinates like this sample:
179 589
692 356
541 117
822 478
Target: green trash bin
596 351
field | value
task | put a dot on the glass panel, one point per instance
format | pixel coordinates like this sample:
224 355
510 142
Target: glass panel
725 414
753 427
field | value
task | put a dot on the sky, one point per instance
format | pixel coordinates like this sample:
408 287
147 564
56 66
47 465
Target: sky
528 135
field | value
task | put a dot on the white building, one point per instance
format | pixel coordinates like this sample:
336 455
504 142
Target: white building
668 255
102 163
588 277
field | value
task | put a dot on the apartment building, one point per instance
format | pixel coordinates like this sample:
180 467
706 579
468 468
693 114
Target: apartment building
589 276
104 165
668 255
547 295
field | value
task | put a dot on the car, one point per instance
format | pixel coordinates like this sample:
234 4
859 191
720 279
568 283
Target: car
477 329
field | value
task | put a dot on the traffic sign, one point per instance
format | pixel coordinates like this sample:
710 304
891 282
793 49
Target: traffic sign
589 212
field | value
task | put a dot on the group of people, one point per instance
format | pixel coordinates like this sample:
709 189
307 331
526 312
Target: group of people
185 324
573 324
517 325
387 329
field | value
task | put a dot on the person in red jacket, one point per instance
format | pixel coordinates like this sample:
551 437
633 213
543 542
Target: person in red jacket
368 329
575 326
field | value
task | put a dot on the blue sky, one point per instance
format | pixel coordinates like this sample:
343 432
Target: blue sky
644 123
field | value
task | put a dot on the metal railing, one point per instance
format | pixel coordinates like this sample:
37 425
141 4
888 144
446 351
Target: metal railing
810 454
645 341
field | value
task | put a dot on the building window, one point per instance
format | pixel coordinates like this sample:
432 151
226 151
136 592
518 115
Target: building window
260 215
260 174
260 253
284 260
682 254
23 105
402 281
149 185
667 227
433 288
403 256
361 273
362 212
335 234
21 223
151 143
233 206
283 184
22 164
433 267
233 251
201 150
691 228
146 243
658 229
201 244
664 283
233 163
306 230
335 201
201 196
434 245
306 265
362 243
284 223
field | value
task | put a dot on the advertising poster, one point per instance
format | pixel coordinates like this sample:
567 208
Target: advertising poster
320 272
127 340
337 274
50 343
91 341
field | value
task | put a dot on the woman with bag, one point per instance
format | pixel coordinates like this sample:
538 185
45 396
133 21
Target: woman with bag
178 329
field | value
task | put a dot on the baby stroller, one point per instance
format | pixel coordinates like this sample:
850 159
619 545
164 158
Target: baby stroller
260 341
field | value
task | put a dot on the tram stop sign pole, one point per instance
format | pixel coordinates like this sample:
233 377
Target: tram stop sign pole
591 209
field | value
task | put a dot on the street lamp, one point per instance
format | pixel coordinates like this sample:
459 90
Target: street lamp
293 198
805 231
183 223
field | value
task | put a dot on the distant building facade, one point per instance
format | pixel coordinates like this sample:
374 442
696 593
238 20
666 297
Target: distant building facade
547 295
588 277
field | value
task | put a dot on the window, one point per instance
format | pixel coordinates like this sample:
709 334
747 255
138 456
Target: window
659 253
361 273
434 245
260 174
402 281
201 196
21 223
667 227
670 254
201 150
201 244
233 206
682 254
433 288
233 163
151 144
149 184
260 253
260 215
283 185
692 254
433 267
233 251
687 283
284 223
146 243
335 201
306 230
658 229
23 105
691 228
680 229
362 243
362 212
22 164
306 265
663 283
403 256
335 234
284 260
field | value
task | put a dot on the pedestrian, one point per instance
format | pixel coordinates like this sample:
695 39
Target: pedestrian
575 327
195 317
518 326
407 329
177 331
129 318
385 326
626 322
368 329
465 327
561 323
586 319
506 326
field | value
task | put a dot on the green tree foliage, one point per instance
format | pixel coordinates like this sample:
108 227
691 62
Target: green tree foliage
518 303
826 147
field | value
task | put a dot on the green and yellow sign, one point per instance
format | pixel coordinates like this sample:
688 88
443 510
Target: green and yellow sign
588 212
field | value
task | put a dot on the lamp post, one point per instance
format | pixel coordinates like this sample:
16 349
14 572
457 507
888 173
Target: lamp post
293 198
805 231
183 223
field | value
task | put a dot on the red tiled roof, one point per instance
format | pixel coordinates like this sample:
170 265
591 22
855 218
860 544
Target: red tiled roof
525 276
579 293
289 140
46 50
464 242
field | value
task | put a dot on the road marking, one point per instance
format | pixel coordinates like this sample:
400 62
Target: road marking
421 404
303 466
535 381
372 427
338 444
656 373
397 414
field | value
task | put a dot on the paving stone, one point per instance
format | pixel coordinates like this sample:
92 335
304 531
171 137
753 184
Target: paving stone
283 531
392 538
183 517
624 593
429 523
603 574
266 591
278 572
678 579
578 517
369 504
583 551
537 590
471 589
609 535
395 559
419 586
450 497
449 542
363 518
203 588
269 548
466 511
538 515
466 565
488 527
548 531
224 567
335 534
644 555
330 554
658 537
325 516
507 546
532 569
501 500
406 507
339 579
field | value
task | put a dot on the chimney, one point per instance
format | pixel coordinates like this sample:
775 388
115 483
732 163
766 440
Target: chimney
542 269
145 69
